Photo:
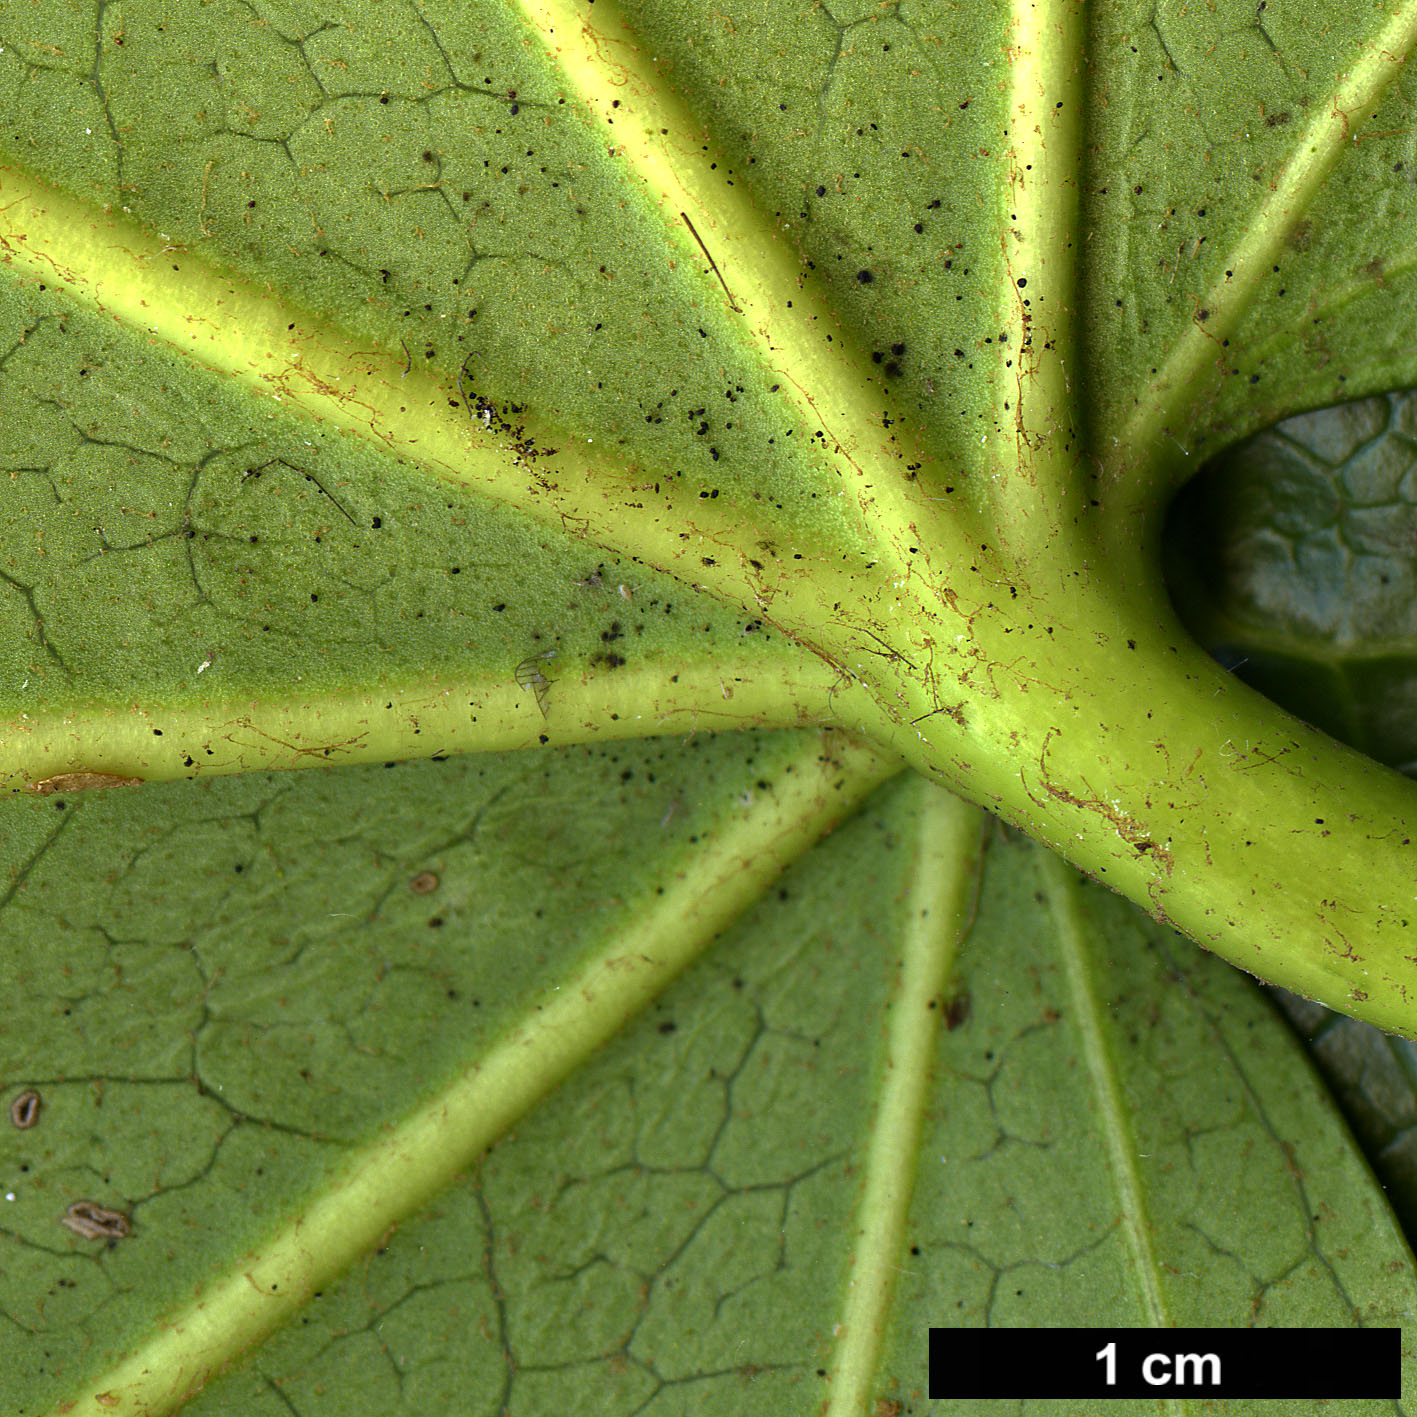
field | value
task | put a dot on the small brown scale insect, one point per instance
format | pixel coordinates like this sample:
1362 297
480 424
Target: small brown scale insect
956 1011
24 1110
95 1222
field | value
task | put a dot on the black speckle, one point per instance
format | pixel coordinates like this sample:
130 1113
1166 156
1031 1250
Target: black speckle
865 277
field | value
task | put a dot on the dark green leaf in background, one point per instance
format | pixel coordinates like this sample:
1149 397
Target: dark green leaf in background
1293 558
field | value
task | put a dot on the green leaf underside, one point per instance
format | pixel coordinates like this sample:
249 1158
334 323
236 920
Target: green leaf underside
1192 139
264 1057
183 554
719 1203
892 595
669 1226
248 561
1199 1110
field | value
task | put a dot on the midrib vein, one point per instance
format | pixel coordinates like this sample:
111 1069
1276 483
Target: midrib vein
1080 969
945 863
1035 421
